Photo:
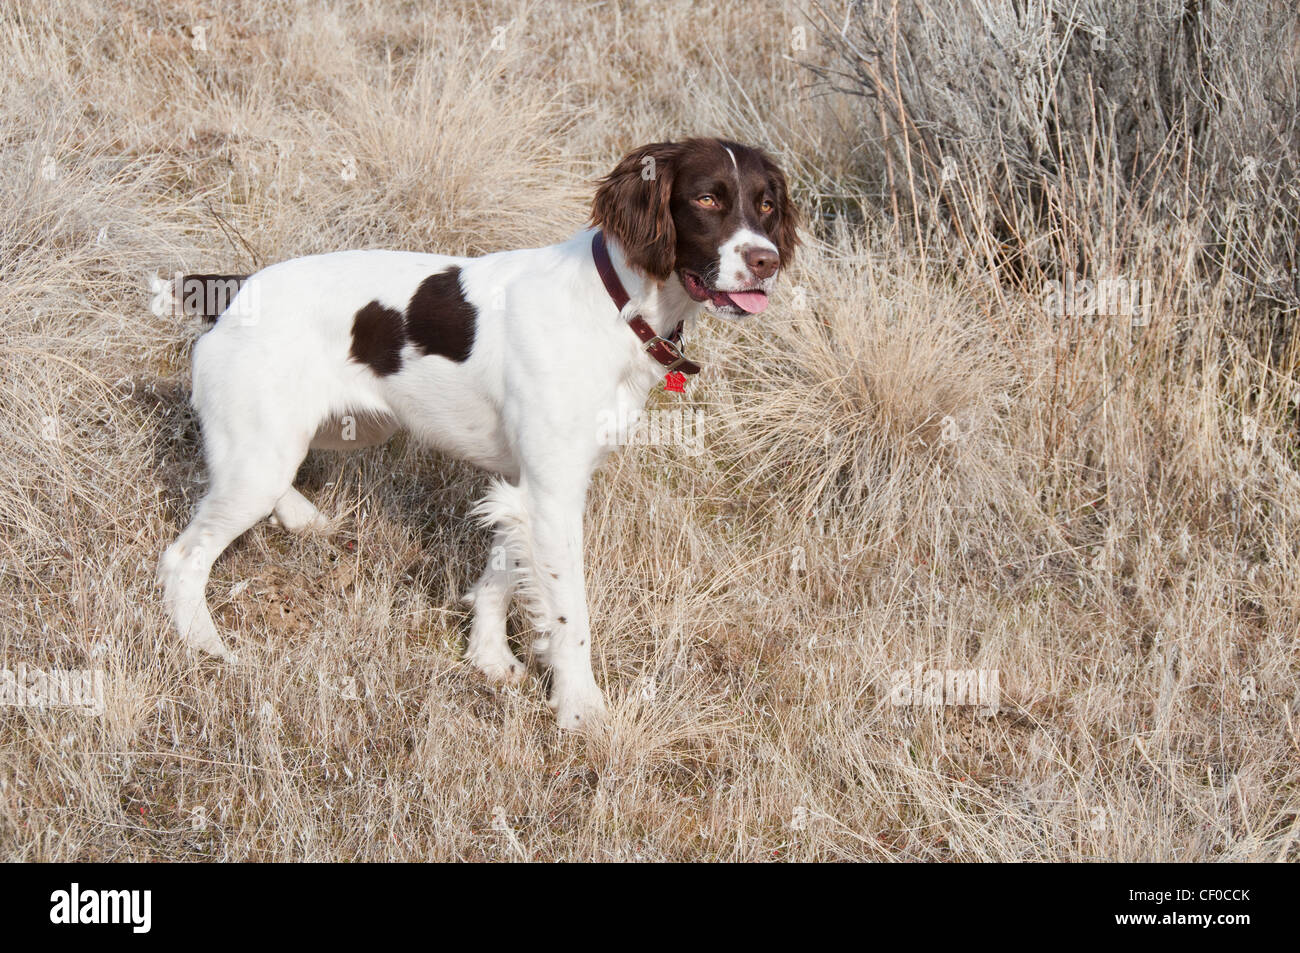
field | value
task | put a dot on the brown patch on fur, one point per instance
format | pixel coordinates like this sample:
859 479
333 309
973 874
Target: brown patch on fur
377 338
439 320
783 231
632 206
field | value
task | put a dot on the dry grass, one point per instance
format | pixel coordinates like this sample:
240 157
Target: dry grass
906 464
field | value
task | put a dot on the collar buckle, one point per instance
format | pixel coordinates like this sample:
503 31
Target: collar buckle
678 358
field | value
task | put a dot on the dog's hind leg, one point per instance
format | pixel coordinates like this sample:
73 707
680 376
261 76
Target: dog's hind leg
488 649
245 488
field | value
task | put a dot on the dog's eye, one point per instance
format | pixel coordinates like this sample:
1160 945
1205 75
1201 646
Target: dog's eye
707 201
766 206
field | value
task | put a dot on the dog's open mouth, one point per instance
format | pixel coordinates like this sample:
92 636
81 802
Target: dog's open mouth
737 302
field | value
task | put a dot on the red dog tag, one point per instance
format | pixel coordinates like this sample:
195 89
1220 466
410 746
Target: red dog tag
675 382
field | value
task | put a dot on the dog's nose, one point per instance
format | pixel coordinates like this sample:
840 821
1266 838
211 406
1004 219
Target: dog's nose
763 262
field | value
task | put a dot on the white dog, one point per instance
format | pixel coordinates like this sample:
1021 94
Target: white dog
507 361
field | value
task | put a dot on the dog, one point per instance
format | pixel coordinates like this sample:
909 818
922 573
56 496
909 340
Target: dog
506 360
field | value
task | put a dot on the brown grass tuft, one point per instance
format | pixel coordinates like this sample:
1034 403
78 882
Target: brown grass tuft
911 462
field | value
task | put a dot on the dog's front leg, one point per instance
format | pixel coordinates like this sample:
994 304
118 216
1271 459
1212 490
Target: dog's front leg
540 520
560 602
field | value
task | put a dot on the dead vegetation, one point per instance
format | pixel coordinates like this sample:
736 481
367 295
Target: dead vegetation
914 461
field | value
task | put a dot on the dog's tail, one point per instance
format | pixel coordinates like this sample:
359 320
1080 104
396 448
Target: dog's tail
205 296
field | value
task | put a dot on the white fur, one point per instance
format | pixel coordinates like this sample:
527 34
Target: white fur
733 273
550 354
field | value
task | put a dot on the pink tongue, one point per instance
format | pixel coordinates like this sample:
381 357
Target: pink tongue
751 301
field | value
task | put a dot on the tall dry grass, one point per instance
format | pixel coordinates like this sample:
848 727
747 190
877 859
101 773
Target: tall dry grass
910 462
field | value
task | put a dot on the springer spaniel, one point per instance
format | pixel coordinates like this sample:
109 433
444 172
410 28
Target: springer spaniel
507 361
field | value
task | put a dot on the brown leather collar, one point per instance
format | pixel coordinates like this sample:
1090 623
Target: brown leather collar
667 351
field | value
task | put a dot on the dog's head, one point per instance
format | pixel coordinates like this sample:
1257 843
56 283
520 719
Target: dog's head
712 214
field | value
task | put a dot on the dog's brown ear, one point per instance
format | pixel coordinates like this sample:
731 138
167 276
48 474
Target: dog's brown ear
785 236
632 206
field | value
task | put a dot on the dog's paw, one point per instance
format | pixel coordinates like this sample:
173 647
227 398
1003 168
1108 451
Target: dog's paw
583 711
205 641
498 665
